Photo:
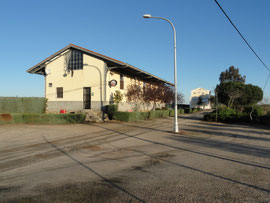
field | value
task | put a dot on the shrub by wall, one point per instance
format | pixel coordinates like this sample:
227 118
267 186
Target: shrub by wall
155 114
111 110
22 105
179 111
28 118
137 116
165 113
130 116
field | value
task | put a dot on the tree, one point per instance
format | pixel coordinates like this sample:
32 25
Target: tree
229 92
252 95
134 93
180 98
237 94
231 75
117 97
155 92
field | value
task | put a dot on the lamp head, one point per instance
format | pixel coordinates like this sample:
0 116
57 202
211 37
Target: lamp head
147 16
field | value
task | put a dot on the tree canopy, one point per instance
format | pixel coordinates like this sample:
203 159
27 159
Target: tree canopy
233 92
231 75
152 93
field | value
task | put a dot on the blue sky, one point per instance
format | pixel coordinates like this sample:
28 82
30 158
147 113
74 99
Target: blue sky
207 44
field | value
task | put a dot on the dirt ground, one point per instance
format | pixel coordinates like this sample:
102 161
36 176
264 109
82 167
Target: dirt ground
135 162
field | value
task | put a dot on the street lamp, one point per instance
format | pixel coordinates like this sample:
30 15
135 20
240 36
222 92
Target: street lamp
175 70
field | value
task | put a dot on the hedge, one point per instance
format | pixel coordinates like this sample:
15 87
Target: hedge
229 115
22 105
179 111
136 116
28 118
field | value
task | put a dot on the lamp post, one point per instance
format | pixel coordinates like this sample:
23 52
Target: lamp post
175 69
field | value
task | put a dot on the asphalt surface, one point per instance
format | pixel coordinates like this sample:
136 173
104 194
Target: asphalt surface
135 162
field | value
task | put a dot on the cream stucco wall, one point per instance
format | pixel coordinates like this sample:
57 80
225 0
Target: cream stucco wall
73 83
94 74
127 81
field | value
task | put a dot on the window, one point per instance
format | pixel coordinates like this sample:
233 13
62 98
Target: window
59 92
75 60
50 84
121 82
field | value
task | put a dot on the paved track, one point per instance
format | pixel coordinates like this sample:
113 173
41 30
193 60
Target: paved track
135 162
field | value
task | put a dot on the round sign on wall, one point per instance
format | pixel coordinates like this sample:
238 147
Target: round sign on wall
112 83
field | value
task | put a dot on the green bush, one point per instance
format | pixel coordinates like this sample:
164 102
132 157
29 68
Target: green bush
257 111
22 105
155 114
28 118
128 116
188 110
165 113
226 114
111 110
181 111
144 115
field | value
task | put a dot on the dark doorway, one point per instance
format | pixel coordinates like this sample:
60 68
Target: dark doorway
87 97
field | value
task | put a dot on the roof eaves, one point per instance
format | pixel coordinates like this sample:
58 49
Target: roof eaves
36 68
32 69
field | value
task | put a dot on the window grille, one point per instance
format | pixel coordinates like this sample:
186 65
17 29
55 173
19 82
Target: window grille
76 60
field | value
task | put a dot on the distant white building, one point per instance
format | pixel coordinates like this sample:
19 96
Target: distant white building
200 98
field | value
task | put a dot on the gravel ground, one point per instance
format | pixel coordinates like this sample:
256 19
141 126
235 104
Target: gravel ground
135 162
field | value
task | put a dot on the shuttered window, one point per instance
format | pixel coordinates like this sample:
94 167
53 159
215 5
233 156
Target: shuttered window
121 82
59 92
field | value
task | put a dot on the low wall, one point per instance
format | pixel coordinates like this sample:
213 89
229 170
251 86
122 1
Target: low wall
70 106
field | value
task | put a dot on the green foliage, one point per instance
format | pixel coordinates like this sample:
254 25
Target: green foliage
254 112
188 110
155 114
171 112
226 114
231 75
144 115
235 94
137 116
252 95
111 109
223 115
127 116
34 118
22 105
130 116
165 113
117 97
181 111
